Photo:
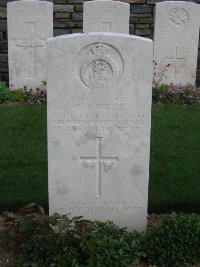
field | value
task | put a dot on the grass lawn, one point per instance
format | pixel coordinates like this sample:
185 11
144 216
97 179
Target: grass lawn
174 169
175 159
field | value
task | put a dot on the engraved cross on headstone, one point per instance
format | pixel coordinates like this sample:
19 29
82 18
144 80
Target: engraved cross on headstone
98 159
30 43
175 61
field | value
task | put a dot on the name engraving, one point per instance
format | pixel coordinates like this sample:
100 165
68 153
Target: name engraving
105 114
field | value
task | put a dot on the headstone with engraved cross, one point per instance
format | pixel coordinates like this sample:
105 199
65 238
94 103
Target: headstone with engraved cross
30 23
176 40
106 16
99 126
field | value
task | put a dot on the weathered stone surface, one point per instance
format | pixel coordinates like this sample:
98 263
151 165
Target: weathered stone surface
106 16
99 126
75 1
143 32
144 15
78 8
30 23
3 26
70 24
77 30
3 58
146 20
4 70
141 9
77 16
1 36
58 24
176 40
3 45
136 1
4 66
142 26
134 20
151 26
79 25
63 8
62 15
3 13
198 60
5 77
151 2
59 1
4 51
57 32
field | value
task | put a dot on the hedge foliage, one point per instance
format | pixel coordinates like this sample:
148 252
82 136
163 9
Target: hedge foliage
58 241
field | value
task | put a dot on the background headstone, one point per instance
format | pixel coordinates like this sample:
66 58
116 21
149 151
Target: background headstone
176 40
30 23
106 16
99 126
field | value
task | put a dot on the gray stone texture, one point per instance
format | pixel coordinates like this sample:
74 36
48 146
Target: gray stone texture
3 13
63 8
141 9
3 26
77 16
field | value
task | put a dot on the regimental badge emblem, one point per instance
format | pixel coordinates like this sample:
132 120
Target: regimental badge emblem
178 17
101 66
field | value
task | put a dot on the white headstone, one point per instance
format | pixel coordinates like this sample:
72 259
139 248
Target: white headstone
176 40
30 23
106 16
99 113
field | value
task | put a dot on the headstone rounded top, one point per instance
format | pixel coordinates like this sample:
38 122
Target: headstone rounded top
110 1
38 2
35 1
106 16
177 3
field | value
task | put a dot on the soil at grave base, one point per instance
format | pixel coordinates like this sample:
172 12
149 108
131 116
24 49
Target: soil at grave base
7 258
